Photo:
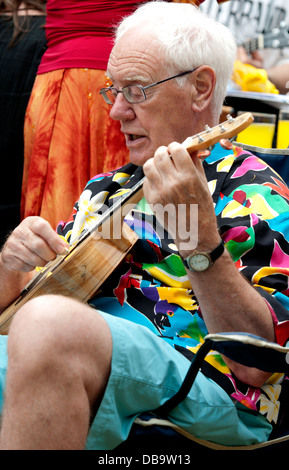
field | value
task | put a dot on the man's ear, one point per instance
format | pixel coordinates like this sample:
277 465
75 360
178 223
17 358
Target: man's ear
204 81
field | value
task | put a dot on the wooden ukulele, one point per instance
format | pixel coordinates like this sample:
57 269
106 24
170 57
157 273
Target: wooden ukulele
81 272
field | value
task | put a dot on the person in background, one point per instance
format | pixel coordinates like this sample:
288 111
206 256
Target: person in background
22 44
246 19
69 136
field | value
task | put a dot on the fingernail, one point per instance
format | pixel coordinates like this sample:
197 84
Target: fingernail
65 251
62 250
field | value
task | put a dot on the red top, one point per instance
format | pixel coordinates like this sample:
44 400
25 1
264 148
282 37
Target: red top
79 32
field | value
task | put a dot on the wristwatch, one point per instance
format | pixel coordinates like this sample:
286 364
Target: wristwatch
200 261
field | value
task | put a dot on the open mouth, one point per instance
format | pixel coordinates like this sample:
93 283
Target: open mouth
133 137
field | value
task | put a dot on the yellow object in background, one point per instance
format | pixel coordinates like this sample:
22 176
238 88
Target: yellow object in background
283 130
250 78
261 132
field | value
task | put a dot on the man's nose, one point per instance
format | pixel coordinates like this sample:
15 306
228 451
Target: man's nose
121 109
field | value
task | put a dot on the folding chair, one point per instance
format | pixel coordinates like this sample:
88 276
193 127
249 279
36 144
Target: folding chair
153 432
276 158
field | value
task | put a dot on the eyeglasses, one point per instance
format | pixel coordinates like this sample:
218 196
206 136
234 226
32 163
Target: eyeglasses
133 93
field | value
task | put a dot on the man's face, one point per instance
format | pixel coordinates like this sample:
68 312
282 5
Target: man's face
166 115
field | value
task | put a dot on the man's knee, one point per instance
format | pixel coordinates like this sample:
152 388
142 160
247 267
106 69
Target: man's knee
51 334
59 327
52 315
43 318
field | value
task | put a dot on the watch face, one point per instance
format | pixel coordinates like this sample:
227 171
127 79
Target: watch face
198 262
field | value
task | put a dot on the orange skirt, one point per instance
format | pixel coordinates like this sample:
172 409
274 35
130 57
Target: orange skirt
69 138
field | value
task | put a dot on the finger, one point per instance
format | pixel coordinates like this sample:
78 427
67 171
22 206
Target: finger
161 155
157 178
35 242
165 164
257 56
17 257
43 237
182 160
26 260
152 171
241 54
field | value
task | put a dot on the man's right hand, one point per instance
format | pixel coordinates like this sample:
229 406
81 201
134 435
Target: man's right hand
33 243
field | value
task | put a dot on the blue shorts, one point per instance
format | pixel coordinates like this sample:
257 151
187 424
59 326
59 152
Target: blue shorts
146 371
3 367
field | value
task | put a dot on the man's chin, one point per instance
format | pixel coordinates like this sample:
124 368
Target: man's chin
139 158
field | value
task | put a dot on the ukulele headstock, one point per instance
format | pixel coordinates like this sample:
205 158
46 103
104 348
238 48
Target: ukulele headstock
211 135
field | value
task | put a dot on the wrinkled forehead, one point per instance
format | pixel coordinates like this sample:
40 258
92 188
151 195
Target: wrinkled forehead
136 54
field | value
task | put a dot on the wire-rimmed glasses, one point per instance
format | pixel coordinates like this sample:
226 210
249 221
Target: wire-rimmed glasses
133 93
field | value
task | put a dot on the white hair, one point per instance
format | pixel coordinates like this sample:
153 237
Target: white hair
188 39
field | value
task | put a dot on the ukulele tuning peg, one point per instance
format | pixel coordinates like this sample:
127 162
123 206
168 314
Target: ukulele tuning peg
207 128
230 118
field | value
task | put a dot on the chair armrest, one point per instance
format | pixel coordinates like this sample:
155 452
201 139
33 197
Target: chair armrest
251 351
244 348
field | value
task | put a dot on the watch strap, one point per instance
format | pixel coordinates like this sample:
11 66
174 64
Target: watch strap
217 252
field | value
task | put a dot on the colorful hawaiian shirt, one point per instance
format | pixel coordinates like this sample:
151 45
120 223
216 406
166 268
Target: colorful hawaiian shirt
151 287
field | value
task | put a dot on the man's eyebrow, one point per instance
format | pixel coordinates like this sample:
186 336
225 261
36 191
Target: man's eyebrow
132 79
137 78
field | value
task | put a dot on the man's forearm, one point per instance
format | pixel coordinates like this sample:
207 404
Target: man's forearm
230 303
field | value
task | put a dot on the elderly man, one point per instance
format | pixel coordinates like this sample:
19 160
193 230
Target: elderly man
79 374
